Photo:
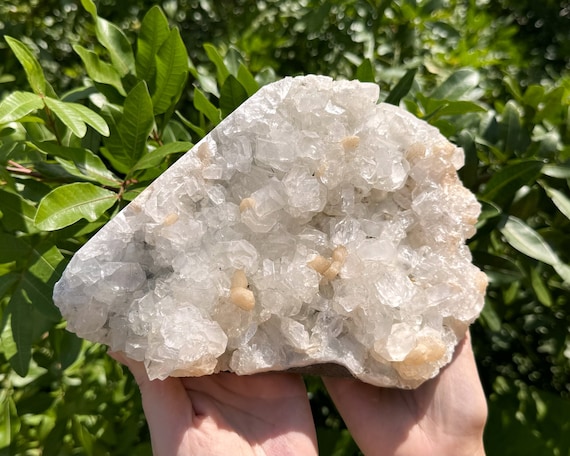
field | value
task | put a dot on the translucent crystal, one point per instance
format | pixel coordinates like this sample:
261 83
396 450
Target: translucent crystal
312 226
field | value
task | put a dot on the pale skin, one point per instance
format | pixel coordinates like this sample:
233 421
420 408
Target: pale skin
269 414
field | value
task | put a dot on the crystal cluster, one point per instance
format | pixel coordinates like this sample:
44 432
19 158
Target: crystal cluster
312 226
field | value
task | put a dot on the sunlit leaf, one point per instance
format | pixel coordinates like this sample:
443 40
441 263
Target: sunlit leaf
9 420
98 70
457 108
457 85
247 80
490 317
232 60
85 162
365 71
561 201
76 117
540 288
31 65
67 204
155 157
215 57
114 40
18 105
526 240
195 128
206 107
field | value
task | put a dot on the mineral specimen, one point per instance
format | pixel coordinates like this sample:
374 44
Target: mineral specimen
312 226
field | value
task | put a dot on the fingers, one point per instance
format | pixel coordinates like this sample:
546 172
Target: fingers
167 406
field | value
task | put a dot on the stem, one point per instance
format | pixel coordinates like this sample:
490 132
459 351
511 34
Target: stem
157 138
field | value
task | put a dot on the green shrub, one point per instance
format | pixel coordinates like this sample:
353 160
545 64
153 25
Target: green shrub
73 153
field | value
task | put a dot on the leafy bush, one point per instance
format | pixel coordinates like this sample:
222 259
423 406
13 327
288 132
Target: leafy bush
73 155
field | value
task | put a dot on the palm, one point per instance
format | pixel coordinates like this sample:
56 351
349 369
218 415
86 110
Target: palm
264 414
445 416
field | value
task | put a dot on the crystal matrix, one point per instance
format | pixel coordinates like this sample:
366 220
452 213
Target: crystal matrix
312 226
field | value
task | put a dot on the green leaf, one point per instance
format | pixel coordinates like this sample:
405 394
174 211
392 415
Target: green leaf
113 150
27 324
76 116
206 107
365 71
114 40
67 204
527 241
171 73
7 344
540 288
36 274
40 277
86 162
232 60
457 85
499 269
510 128
453 108
137 122
215 57
557 171
533 96
402 88
195 128
21 311
502 187
18 105
83 436
153 33
98 70
13 248
7 281
232 95
488 211
247 80
561 201
90 7
9 421
490 317
155 158
18 213
31 65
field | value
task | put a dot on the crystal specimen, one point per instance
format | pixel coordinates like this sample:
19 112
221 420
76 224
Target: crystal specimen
312 226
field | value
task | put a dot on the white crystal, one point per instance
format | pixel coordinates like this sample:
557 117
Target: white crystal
312 226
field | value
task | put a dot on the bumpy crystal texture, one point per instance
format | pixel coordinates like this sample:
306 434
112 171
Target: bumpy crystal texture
312 226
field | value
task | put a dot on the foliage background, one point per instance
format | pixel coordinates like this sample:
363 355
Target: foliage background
492 75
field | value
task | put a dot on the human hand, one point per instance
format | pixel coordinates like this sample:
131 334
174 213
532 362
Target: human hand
225 414
444 416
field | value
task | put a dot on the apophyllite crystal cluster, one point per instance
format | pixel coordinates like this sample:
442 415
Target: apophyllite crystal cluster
312 226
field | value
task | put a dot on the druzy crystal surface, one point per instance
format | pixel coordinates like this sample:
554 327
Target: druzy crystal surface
312 226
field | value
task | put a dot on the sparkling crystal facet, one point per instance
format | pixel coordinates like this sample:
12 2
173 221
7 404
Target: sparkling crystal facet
312 226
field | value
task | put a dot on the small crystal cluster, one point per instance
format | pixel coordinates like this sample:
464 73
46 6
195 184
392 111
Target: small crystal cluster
312 226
